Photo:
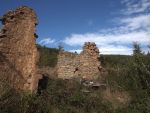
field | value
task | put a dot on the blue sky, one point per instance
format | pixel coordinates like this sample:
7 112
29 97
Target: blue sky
112 24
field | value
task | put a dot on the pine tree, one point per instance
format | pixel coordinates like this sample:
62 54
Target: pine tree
136 49
141 68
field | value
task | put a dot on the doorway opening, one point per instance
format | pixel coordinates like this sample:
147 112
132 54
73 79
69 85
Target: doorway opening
42 84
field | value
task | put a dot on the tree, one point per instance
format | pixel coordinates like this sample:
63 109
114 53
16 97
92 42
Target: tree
141 68
136 49
148 53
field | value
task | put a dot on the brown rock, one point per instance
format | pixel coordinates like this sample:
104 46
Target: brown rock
18 52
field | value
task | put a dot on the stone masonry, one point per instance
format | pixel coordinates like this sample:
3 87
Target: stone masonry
18 52
85 65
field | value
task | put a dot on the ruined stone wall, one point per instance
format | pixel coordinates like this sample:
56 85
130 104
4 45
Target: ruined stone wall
66 64
85 65
18 50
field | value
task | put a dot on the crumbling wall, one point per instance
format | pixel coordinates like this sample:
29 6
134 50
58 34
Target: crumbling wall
66 64
90 65
18 50
85 65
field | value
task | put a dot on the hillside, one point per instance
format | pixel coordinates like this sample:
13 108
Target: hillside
125 92
48 56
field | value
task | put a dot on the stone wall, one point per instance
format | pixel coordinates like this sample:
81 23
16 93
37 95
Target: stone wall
66 64
85 65
18 52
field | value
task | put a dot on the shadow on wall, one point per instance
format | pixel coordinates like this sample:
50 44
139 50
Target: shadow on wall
42 84
2 57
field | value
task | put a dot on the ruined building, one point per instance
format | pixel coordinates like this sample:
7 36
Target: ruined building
18 52
85 65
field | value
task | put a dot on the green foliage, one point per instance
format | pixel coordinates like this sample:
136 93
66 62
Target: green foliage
114 61
47 56
136 48
60 97
133 77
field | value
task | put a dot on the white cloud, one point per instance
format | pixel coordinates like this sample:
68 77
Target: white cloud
111 49
104 39
119 50
46 41
135 6
140 21
110 43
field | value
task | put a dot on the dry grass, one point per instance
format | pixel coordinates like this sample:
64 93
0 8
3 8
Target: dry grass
117 98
